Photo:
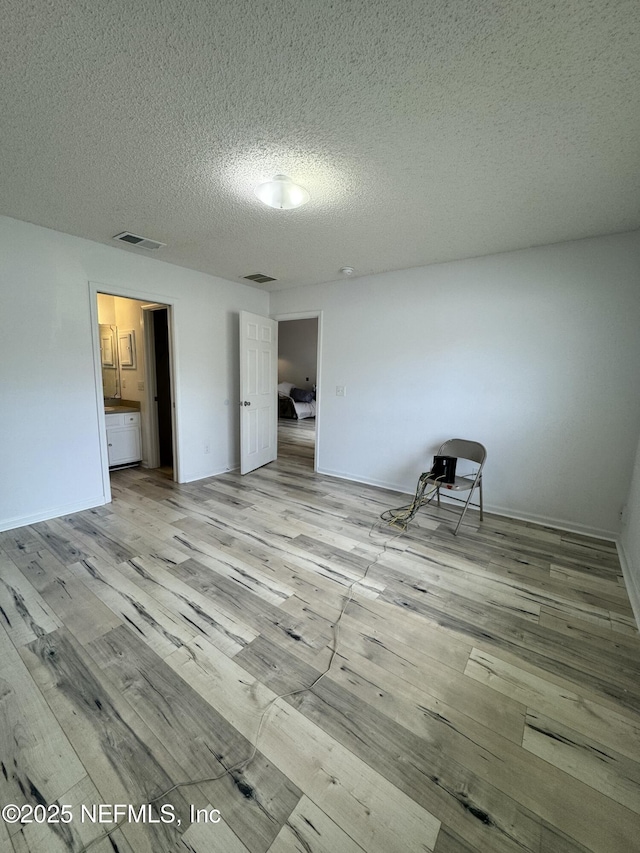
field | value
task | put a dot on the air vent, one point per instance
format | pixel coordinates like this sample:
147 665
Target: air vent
260 278
140 242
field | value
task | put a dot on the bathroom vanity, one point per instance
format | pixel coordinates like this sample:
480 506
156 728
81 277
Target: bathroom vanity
124 444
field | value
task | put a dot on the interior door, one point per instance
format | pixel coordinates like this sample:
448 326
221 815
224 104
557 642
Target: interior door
258 380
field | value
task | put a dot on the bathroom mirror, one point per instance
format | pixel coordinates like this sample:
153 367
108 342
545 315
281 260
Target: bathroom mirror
109 361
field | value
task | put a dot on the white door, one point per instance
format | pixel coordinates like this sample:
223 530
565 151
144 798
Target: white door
258 380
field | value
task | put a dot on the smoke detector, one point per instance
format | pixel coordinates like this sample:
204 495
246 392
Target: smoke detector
347 271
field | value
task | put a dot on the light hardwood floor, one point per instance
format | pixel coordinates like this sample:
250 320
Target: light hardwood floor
484 695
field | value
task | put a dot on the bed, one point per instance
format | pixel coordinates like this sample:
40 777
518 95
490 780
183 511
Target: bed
295 402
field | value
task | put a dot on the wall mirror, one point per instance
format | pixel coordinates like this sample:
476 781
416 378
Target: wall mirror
109 361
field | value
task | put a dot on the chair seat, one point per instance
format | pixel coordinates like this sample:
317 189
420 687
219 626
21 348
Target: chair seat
461 484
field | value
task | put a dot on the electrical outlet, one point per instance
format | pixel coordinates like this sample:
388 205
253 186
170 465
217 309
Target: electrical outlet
207 447
140 386
124 383
341 391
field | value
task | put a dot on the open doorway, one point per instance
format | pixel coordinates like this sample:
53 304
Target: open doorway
298 360
156 323
135 358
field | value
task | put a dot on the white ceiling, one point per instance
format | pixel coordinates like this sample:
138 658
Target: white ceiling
425 130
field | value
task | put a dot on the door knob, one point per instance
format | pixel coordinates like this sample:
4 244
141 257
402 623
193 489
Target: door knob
246 403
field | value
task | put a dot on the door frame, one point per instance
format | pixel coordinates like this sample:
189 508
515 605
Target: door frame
310 315
172 306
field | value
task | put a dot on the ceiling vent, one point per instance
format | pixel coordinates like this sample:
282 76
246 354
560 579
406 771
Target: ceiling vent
260 278
140 242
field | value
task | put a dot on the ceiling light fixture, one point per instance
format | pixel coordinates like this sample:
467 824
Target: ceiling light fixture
282 193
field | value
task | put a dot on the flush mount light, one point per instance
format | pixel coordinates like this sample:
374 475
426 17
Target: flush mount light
282 193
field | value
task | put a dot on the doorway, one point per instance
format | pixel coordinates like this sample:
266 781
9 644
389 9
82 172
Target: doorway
160 377
140 392
298 376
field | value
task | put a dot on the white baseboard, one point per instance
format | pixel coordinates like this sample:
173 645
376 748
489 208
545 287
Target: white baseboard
631 581
556 523
545 521
54 512
193 478
380 484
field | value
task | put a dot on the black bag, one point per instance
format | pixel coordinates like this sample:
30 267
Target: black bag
444 469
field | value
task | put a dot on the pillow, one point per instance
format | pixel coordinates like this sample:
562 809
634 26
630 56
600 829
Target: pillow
299 395
284 388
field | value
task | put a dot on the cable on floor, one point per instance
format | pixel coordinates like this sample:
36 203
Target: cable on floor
402 515
242 766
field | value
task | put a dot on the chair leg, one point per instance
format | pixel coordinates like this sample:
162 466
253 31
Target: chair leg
481 510
438 494
462 514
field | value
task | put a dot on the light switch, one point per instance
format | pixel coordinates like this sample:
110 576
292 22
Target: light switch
341 390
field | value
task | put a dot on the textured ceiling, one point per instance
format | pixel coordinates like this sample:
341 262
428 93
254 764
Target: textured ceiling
425 130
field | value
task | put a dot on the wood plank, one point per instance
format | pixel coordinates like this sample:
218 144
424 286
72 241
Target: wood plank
58 540
284 545
242 604
408 751
159 628
620 732
209 837
309 830
596 765
87 529
255 801
23 612
127 763
76 835
226 633
488 628
626 646
79 610
37 760
624 624
412 764
379 817
399 631
446 585
449 842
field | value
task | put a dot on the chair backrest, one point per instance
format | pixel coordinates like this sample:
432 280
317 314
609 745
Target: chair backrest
463 449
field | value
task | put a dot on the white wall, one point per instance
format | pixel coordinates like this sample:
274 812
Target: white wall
49 437
630 539
298 352
534 353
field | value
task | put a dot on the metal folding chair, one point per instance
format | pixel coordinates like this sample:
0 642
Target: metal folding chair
473 451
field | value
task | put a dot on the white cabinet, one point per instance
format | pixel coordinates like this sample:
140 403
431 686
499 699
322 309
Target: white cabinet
123 438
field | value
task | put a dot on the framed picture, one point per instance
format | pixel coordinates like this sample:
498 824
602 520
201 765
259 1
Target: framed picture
127 349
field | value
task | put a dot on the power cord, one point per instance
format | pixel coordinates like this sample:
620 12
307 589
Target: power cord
334 651
402 515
